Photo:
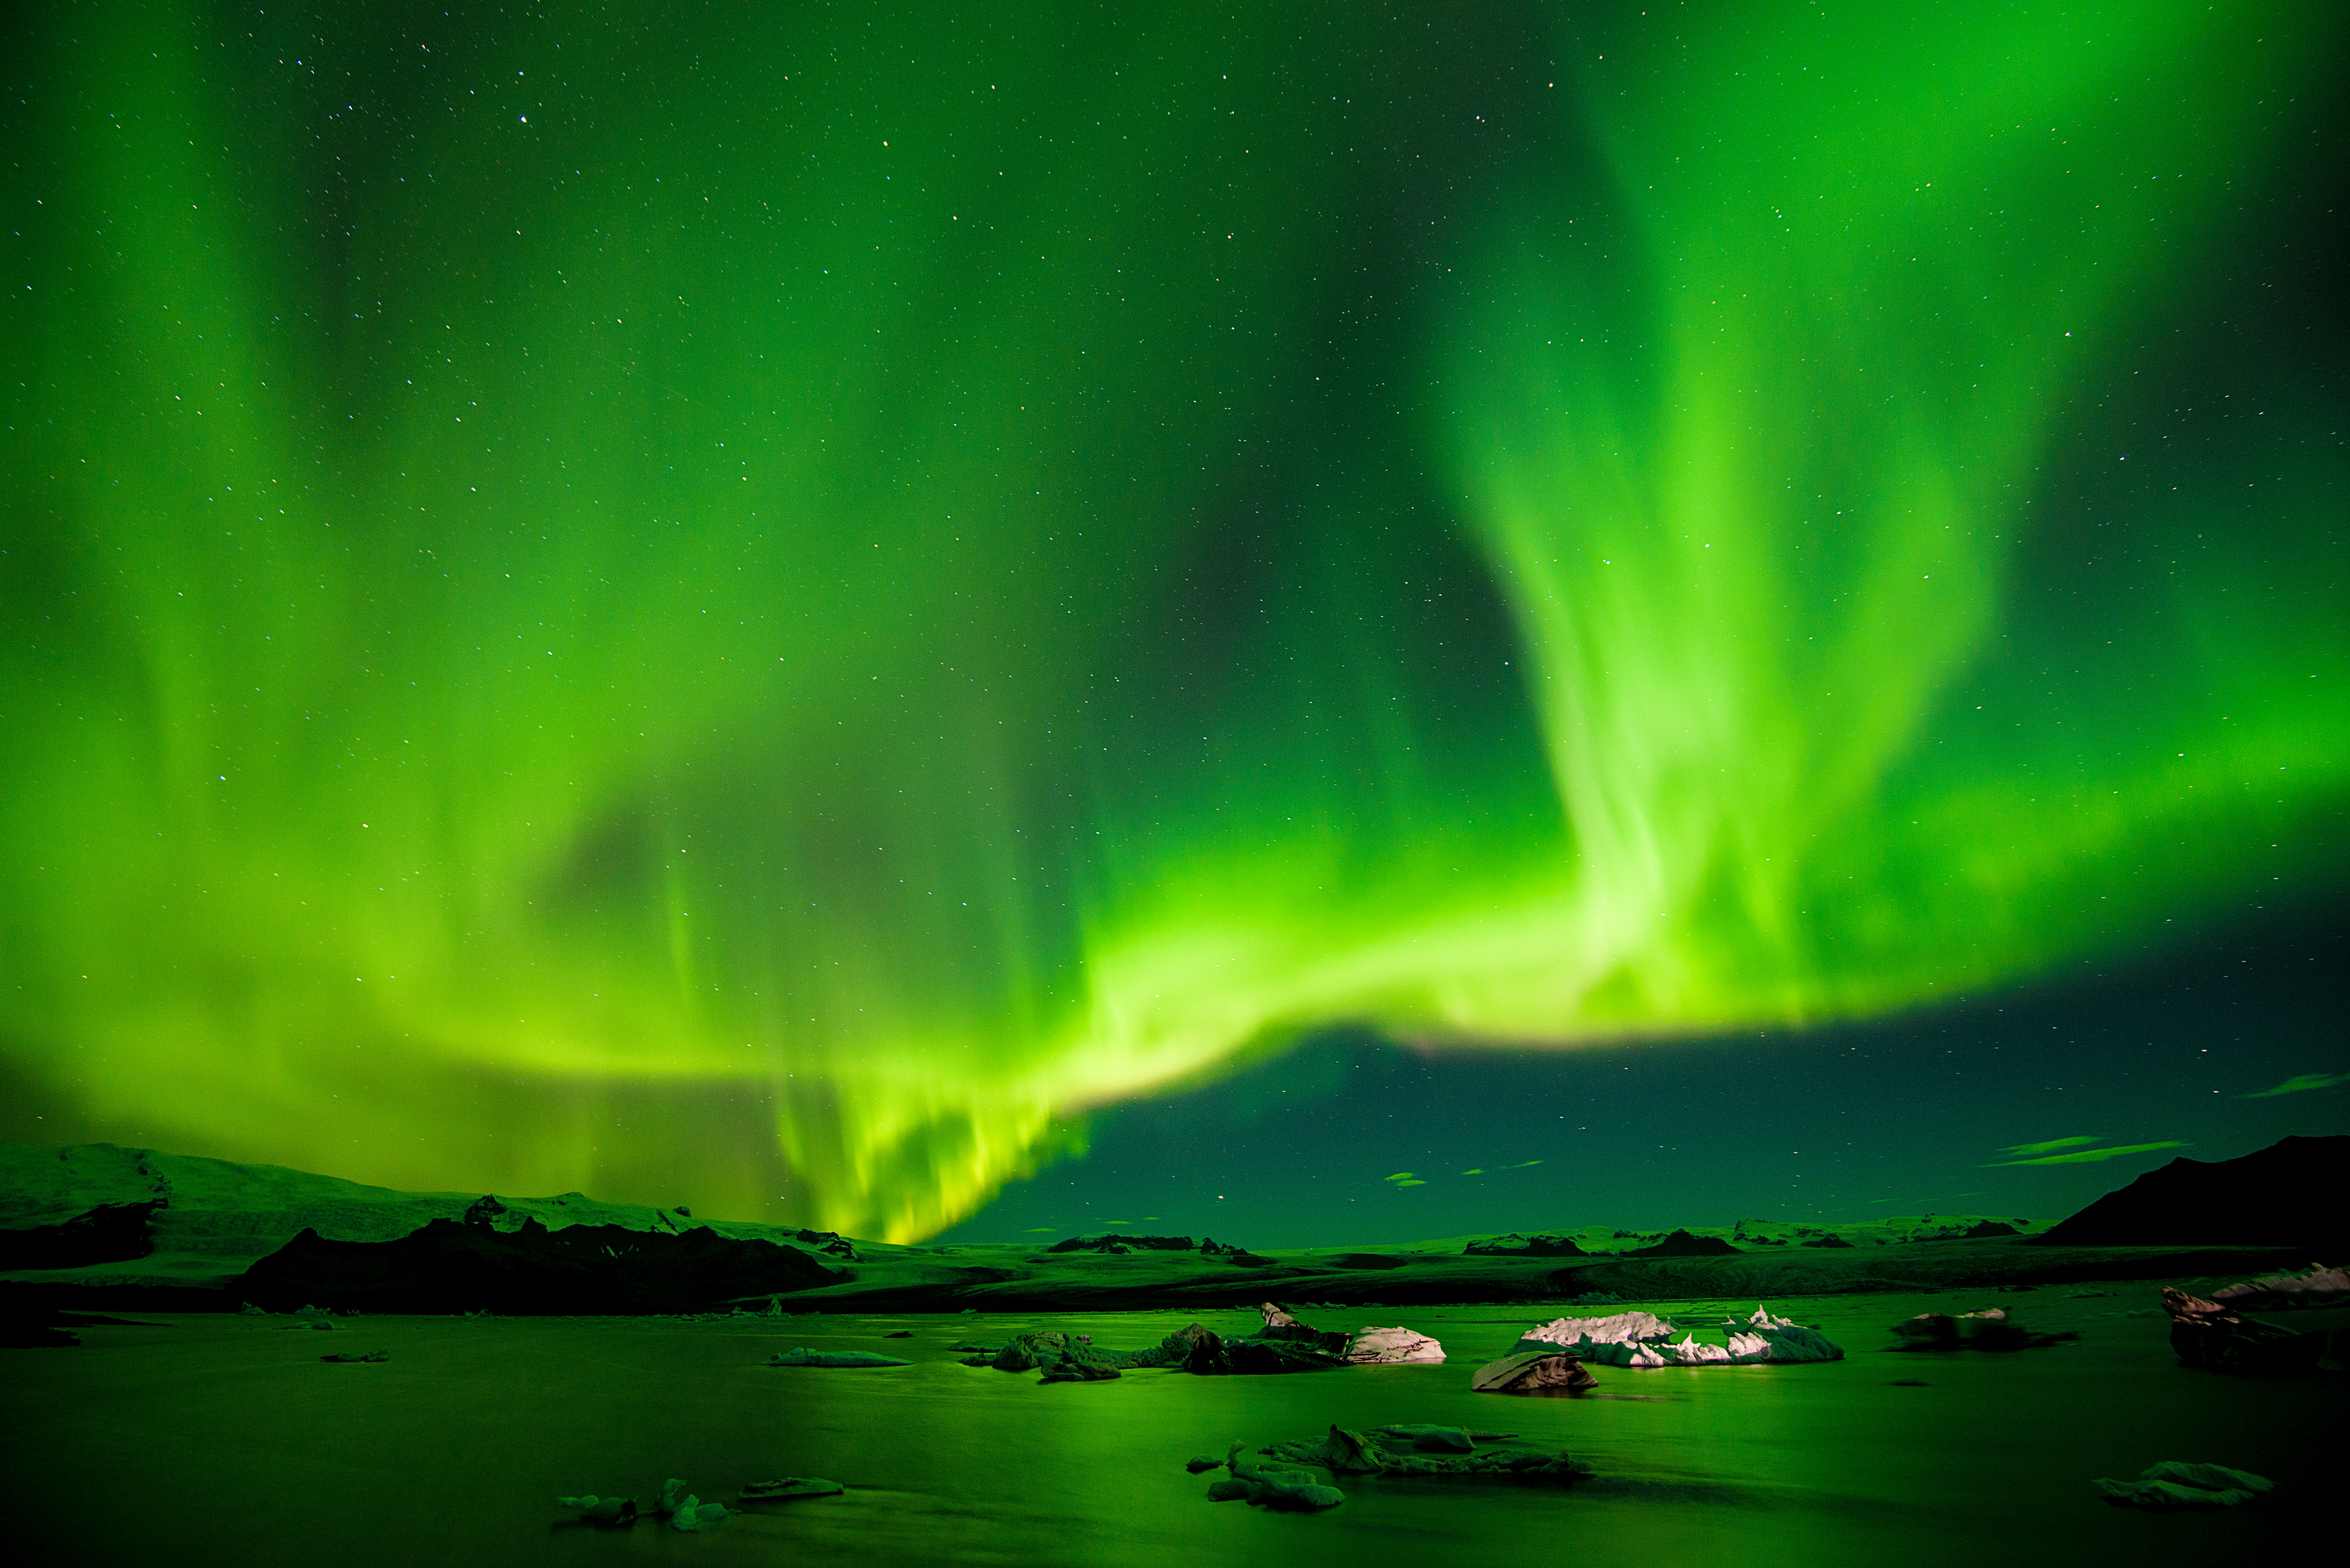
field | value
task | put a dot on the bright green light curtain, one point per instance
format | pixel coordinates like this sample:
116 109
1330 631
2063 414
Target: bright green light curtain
577 585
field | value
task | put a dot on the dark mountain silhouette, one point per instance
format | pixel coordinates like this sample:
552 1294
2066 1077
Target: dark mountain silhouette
2288 1194
450 1267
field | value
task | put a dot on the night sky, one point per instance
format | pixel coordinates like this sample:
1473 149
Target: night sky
810 611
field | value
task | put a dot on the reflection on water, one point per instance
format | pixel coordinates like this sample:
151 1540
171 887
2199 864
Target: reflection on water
227 1438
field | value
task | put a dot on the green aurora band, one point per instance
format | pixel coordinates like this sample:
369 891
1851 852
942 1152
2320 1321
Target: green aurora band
571 584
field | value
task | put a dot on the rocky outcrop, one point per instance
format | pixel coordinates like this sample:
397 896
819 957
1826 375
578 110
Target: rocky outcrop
2288 1194
1681 1244
450 1266
1642 1339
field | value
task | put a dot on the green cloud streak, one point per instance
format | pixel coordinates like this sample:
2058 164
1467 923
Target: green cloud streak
2090 1155
2301 1084
613 618
2054 1143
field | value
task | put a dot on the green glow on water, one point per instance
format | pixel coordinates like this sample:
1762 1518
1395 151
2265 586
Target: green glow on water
624 577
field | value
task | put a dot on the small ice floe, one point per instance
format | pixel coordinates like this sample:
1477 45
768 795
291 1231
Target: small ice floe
1645 1340
788 1490
1294 1491
1533 1372
354 1355
686 1512
1392 1348
804 1357
1428 1439
2174 1484
607 1513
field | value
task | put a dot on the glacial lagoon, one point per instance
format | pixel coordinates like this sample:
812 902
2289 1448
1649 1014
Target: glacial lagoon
226 1439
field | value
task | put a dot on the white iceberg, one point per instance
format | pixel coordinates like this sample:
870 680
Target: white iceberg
1642 1339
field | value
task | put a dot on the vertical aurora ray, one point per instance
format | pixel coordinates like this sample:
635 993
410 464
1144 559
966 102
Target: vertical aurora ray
573 586
1754 442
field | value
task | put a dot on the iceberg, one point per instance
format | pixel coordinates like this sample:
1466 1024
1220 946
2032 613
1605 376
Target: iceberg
1640 1339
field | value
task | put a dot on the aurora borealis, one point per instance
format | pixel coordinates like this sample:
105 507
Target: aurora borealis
760 609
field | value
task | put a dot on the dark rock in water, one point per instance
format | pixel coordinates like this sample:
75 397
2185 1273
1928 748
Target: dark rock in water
1533 1372
2288 1194
1367 1261
1982 1229
483 1210
1681 1244
1990 1329
1066 1358
1202 1464
1516 1246
1824 1242
359 1356
1199 1350
900 1334
449 1267
1027 1353
110 1233
2208 1335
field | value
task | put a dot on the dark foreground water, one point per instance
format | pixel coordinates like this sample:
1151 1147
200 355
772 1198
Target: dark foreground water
226 1439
